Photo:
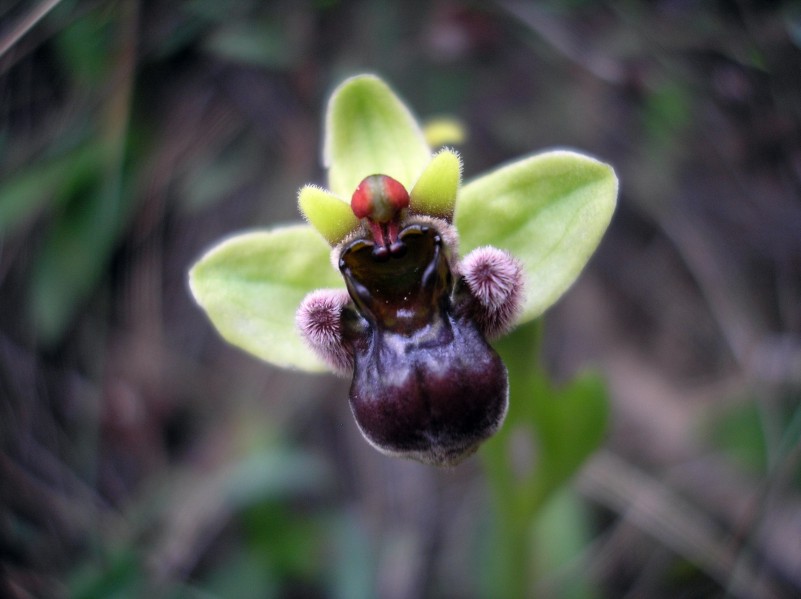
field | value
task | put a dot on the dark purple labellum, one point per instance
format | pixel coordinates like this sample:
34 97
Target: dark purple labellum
426 384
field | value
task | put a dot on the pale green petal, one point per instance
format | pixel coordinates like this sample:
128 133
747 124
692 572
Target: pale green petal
329 214
369 131
251 285
436 189
549 210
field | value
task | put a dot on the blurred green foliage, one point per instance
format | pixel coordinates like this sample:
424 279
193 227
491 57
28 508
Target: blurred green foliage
133 134
547 436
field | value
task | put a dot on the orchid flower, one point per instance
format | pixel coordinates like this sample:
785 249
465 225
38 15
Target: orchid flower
375 286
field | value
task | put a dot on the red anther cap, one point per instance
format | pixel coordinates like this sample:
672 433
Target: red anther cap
379 198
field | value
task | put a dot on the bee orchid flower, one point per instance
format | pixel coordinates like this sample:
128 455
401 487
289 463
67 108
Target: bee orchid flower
375 286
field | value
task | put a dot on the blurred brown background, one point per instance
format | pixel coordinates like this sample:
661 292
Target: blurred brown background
142 455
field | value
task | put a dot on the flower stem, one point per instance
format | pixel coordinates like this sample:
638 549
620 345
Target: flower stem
515 495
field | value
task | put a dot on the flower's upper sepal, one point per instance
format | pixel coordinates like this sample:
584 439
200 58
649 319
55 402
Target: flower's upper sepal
368 131
549 211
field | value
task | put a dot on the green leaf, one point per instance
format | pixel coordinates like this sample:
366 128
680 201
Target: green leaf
252 284
369 131
45 184
329 214
436 189
571 423
562 532
77 248
84 47
566 425
549 210
547 436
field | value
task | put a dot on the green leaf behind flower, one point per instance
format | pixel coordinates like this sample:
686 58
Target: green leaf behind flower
252 284
549 211
369 131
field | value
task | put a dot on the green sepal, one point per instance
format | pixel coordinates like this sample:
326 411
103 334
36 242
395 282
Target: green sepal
252 284
549 211
369 131
436 190
328 214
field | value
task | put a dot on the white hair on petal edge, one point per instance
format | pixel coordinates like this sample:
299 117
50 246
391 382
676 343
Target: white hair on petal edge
495 279
361 231
319 319
450 238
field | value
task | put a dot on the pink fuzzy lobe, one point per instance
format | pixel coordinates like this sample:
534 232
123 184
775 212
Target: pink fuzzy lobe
319 321
495 279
